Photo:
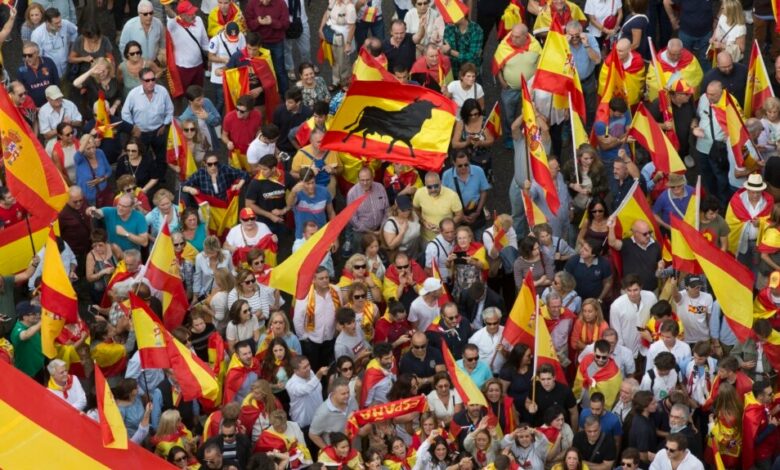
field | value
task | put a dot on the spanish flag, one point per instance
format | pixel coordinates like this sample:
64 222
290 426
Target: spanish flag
304 130
769 241
178 153
371 69
612 84
148 336
729 116
235 83
540 170
547 19
325 52
375 373
222 215
263 67
776 14
557 74
271 440
578 134
514 14
500 240
630 78
444 298
397 123
506 50
462 382
656 77
451 11
384 412
295 273
519 326
606 380
40 429
534 215
235 376
103 117
758 88
110 356
754 415
493 122
683 258
162 271
544 349
175 86
15 248
112 427
120 274
649 134
58 299
686 68
29 172
737 217
715 450
731 281
634 207
217 352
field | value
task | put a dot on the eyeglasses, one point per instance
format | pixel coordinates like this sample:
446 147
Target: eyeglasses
241 110
406 266
212 163
597 211
671 450
644 234
470 359
432 186
245 310
149 80
130 189
495 323
27 56
133 53
144 13
451 318
67 134
179 244
462 165
346 369
359 296
419 346
358 266
229 436
189 129
599 357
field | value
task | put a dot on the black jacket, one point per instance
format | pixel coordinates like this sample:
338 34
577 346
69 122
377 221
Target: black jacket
468 306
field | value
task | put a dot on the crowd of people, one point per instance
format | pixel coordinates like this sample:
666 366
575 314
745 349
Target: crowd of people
426 260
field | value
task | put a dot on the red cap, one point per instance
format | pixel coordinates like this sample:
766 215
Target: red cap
246 214
186 8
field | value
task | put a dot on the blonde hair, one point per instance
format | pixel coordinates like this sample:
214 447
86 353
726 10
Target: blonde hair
262 388
732 10
355 259
160 195
596 306
772 104
504 221
85 139
224 279
169 422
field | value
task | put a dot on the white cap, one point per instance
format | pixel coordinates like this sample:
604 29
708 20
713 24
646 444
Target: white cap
431 284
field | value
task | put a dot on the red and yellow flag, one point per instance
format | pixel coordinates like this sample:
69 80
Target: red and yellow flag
178 152
112 426
103 117
451 11
537 157
375 373
683 258
15 250
371 69
534 215
162 271
493 122
578 134
613 85
444 298
385 412
548 19
295 273
519 325
630 78
731 281
776 14
304 130
30 173
656 76
634 207
235 83
399 123
325 52
58 299
222 215
461 381
606 380
514 14
729 117
506 50
175 86
649 134
557 74
148 335
758 88
263 67
738 217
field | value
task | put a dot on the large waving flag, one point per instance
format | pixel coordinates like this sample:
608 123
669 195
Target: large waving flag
112 426
30 173
519 326
399 123
514 14
729 117
758 88
544 349
58 299
656 76
103 117
15 249
235 83
162 271
557 74
148 336
175 86
493 122
178 153
294 274
41 428
463 383
731 281
451 11
650 136
634 207
537 157
222 215
371 69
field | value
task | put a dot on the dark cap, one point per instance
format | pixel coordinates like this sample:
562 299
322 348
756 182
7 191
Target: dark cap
26 308
232 31
403 202
693 281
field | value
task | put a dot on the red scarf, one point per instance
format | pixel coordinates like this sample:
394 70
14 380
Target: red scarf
184 24
64 389
331 453
180 432
60 153
223 20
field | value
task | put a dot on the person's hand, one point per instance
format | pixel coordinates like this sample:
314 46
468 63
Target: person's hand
323 370
531 406
107 271
611 221
201 113
773 420
322 35
136 132
748 365
698 132
404 338
12 13
161 131
667 125
255 92
121 231
230 145
348 48
235 187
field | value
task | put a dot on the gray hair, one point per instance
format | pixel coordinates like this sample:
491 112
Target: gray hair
491 312
35 46
54 365
754 125
633 383
590 421
132 253
683 409
145 4
552 295
573 26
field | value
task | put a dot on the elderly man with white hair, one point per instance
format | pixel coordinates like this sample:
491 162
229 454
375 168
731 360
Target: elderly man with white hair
66 386
147 30
488 339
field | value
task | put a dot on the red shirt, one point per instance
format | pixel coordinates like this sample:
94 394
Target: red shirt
242 131
11 215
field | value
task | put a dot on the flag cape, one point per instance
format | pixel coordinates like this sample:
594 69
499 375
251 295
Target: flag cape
764 307
544 350
557 74
606 380
148 335
235 376
178 152
272 440
493 123
295 273
716 453
390 283
235 83
15 249
175 86
617 81
325 52
534 215
687 68
375 373
404 124
514 14
103 117
657 78
442 74
546 20
537 157
58 299
519 327
729 117
505 51
754 415
41 428
758 88
222 215
372 69
29 172
731 281
263 67
461 380
162 271
649 134
112 427
451 11
737 216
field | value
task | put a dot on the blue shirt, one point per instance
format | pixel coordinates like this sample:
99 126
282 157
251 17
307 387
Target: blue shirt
585 66
479 375
312 208
148 115
610 423
665 204
36 81
85 173
589 278
616 128
720 328
471 189
135 224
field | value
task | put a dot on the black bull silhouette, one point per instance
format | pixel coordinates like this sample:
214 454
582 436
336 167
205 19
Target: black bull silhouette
401 125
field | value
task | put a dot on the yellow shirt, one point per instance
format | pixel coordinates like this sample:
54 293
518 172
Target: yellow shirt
433 209
301 161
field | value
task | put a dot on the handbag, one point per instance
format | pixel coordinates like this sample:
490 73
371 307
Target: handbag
329 33
610 21
719 151
295 30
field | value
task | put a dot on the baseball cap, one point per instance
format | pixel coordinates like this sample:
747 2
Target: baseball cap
186 8
431 284
53 92
693 281
232 31
247 214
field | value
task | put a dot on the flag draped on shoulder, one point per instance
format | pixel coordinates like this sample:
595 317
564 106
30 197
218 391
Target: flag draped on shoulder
58 299
451 11
758 88
537 157
738 217
162 271
394 122
729 117
649 134
112 426
506 50
178 153
295 273
222 214
557 73
612 84
175 86
461 381
371 69
29 172
658 79
606 379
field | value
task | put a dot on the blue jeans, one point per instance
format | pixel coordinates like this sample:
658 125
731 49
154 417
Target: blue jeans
510 109
303 44
715 180
698 46
377 29
277 57
519 220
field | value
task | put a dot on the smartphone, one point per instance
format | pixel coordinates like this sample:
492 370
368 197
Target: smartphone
639 328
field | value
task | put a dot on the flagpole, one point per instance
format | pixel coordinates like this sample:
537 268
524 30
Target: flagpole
29 233
573 141
536 348
698 200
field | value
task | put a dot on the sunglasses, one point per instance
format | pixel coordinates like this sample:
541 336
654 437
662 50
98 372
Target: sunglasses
644 234
212 163
131 150
469 359
183 458
418 346
597 211
359 296
406 266
600 357
346 369
241 111
133 53
145 13
27 56
249 282
627 464
189 129
671 450
130 189
229 436
149 80
179 244
68 134
432 186
462 165
358 266
451 318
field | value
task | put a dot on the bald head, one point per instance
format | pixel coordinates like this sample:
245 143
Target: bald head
75 197
641 231
714 91
519 35
725 63
674 49
623 47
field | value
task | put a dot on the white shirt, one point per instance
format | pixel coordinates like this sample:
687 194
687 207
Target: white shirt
221 47
699 388
76 396
694 315
48 118
662 385
459 95
487 348
440 249
625 316
238 238
680 350
188 54
601 9
258 149
662 462
305 398
422 313
56 46
622 356
324 314
443 411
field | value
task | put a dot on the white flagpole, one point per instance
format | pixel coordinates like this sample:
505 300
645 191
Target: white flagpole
573 141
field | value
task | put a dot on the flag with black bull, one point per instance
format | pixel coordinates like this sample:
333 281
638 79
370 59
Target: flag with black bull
393 122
